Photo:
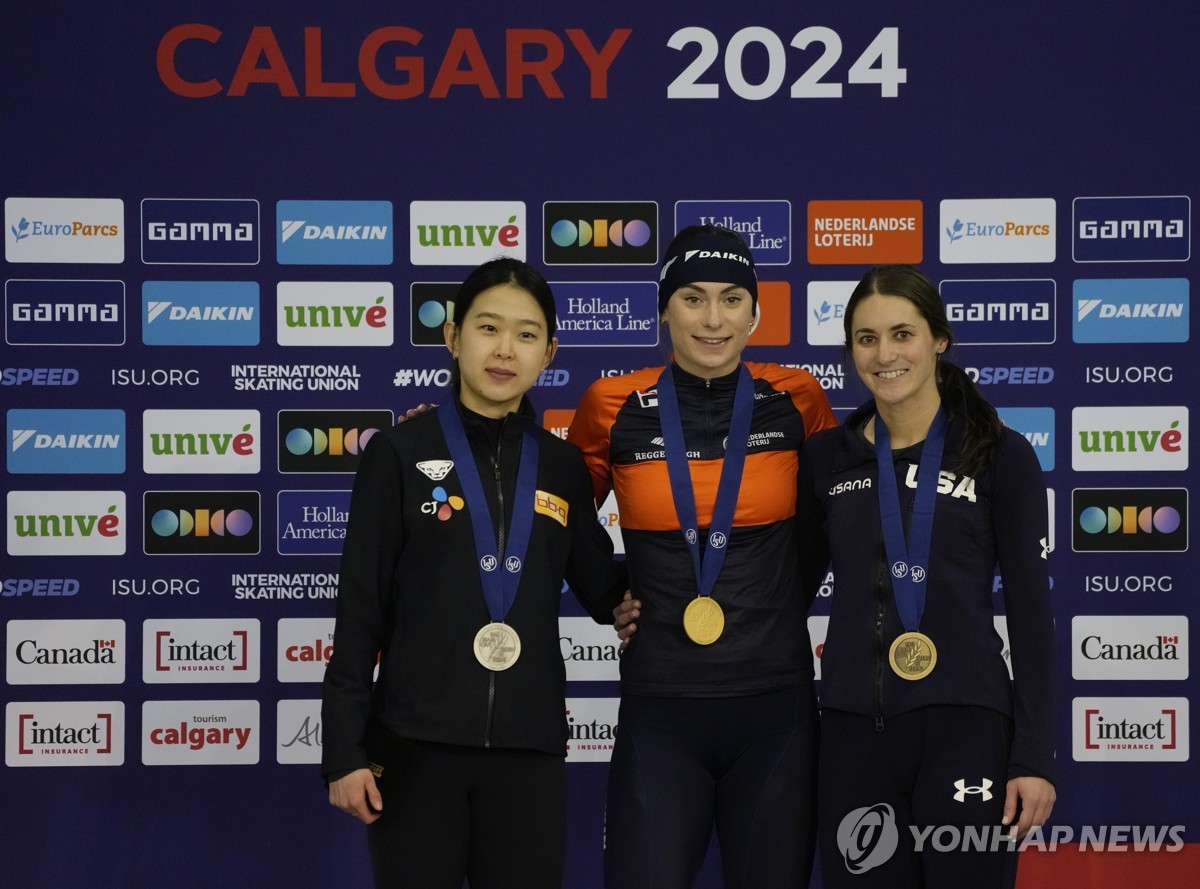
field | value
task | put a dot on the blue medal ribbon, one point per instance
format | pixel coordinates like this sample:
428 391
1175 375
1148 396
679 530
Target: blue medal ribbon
908 562
499 582
708 566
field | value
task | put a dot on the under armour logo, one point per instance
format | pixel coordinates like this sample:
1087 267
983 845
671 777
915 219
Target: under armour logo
1045 547
963 790
717 540
513 564
488 563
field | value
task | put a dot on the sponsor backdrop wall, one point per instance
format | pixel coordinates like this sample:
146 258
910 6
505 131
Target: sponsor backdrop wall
231 234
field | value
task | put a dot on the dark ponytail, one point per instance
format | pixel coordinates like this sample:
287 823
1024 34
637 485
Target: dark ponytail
984 431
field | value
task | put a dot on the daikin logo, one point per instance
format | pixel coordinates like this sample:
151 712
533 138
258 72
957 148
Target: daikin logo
334 232
1131 310
200 313
66 441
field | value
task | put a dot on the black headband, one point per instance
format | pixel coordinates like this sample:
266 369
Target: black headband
706 258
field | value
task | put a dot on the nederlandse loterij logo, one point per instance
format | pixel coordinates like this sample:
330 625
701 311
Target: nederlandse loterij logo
600 233
334 232
64 313
1001 312
868 232
1131 310
200 313
1131 438
1129 520
766 226
1129 729
200 523
66 523
465 232
334 313
84 442
201 441
1005 230
64 733
64 230
200 231
1129 646
1131 229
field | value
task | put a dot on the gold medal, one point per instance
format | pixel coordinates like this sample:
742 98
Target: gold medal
497 646
703 620
913 656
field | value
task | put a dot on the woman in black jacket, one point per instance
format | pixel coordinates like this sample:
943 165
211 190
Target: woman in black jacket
464 522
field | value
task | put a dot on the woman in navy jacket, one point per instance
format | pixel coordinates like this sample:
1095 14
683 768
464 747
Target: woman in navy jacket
466 717
921 726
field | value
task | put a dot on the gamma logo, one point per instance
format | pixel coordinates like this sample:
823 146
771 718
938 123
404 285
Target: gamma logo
594 233
200 232
1121 520
200 523
64 313
1003 312
326 441
1132 229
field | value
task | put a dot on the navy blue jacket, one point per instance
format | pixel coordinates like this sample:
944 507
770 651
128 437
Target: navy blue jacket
997 520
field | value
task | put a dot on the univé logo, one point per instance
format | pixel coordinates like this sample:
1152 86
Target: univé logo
66 523
465 232
201 441
1130 438
201 523
591 233
1129 520
327 441
338 313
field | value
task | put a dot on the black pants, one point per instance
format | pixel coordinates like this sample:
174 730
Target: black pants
495 817
941 770
682 764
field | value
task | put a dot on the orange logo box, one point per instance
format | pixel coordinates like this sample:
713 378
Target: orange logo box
775 311
558 421
864 232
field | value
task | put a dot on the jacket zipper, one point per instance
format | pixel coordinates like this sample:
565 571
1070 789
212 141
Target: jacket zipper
491 699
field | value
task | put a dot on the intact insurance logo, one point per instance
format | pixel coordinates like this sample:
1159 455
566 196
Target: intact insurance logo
1129 646
54 442
200 313
595 233
66 652
1001 312
465 232
64 733
1130 730
327 441
617 313
200 523
1037 425
334 232
1130 438
1131 310
200 650
869 232
312 523
1012 230
591 728
766 226
334 313
64 230
1122 520
200 232
64 313
66 523
200 733
1132 229
201 441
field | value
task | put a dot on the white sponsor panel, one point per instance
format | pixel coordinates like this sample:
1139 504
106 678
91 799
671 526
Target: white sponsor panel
1129 438
200 650
298 732
465 232
1001 623
66 523
201 441
1129 729
200 733
592 723
1004 230
589 650
610 518
305 644
818 630
64 733
826 310
335 313
66 652
64 230
1128 646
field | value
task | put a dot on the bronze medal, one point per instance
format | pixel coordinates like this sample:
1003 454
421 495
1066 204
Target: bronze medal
703 620
913 656
497 646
